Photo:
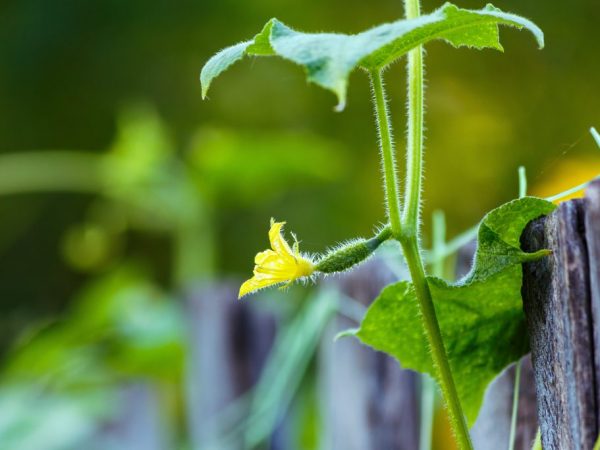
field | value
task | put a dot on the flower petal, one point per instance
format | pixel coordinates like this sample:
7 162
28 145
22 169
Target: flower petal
278 243
254 284
278 265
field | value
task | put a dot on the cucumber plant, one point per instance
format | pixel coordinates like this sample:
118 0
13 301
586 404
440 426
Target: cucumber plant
463 333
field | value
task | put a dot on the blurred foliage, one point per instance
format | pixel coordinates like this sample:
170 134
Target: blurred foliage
120 326
185 188
31 419
69 67
123 329
246 168
62 380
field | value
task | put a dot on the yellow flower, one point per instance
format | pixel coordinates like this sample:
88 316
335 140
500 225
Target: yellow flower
280 264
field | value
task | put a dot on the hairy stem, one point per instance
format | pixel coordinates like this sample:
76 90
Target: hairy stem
414 161
387 152
436 344
409 239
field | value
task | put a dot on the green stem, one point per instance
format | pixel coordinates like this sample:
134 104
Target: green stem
522 182
595 135
436 344
387 152
427 412
414 161
515 407
428 389
409 239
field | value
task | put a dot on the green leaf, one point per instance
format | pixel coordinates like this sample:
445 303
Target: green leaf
481 316
329 58
221 62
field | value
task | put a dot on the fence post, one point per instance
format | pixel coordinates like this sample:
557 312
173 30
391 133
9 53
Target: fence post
592 236
229 342
369 402
558 304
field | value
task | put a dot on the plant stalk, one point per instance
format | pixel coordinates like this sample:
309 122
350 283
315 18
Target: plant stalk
388 157
428 387
409 239
414 161
436 344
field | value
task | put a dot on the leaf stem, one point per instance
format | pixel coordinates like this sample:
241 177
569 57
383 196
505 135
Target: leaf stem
387 152
414 161
522 182
409 239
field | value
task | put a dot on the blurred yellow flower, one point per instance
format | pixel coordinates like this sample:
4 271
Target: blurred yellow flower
566 174
280 264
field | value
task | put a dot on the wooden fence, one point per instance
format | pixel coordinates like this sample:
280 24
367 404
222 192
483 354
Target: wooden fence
562 303
369 403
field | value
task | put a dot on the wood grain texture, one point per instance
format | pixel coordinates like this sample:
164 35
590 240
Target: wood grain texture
557 305
592 236
369 402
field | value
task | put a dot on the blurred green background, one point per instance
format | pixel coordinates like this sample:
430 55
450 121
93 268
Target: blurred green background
183 189
68 67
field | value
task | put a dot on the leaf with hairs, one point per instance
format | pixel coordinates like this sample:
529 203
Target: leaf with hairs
481 316
329 58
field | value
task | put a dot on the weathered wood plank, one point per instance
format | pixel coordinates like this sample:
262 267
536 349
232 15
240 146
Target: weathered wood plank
229 342
592 236
370 402
557 305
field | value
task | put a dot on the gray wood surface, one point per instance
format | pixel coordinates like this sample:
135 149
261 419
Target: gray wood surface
369 402
229 342
592 236
557 303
